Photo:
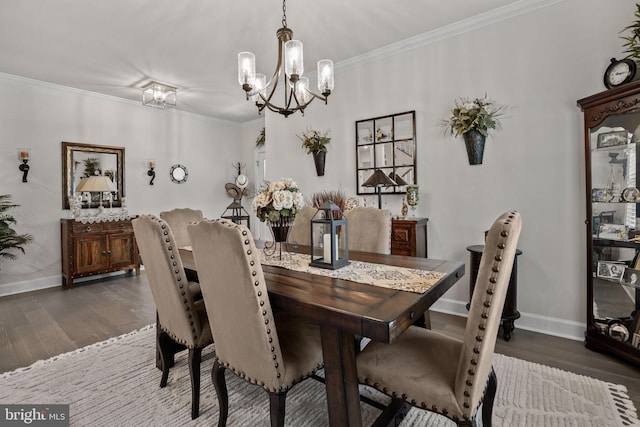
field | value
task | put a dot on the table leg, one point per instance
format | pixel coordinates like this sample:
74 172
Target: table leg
341 379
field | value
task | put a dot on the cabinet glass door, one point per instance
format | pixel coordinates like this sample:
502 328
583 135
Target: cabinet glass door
615 259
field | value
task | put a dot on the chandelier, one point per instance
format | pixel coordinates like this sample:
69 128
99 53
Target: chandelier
297 95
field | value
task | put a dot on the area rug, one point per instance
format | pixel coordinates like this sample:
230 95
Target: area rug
115 383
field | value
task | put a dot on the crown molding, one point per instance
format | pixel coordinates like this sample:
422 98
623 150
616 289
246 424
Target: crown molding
503 13
68 89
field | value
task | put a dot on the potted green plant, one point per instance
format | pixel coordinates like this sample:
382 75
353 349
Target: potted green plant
9 239
632 41
315 143
473 119
261 139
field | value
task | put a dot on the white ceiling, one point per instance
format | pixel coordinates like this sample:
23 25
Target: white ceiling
113 47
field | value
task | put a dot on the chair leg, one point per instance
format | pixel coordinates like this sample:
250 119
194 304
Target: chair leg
277 408
195 356
217 377
164 348
489 397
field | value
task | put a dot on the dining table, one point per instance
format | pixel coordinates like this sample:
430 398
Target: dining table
345 309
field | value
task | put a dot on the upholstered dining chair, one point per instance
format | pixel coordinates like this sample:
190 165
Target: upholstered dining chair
369 230
178 219
300 232
181 318
273 350
441 374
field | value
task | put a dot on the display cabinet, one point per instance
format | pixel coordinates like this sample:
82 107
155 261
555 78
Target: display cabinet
387 143
611 141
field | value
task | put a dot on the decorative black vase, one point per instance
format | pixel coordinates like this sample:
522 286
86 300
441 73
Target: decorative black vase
280 232
318 159
474 141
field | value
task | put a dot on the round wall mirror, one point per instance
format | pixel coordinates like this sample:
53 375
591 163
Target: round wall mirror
178 174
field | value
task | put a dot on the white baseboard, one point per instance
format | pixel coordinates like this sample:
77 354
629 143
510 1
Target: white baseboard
531 322
47 282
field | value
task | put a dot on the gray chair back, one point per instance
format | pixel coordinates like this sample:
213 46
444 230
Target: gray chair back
169 286
485 310
369 230
178 219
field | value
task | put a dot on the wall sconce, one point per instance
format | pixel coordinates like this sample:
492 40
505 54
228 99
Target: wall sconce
159 95
24 155
151 172
329 238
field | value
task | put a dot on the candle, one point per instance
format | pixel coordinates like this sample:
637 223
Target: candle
152 164
24 155
327 247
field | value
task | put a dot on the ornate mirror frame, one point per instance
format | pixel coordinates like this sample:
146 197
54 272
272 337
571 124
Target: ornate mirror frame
108 157
179 173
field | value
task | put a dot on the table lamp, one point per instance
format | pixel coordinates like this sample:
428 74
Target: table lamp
379 179
96 184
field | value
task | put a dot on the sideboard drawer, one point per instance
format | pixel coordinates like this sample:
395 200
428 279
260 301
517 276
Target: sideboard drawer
78 227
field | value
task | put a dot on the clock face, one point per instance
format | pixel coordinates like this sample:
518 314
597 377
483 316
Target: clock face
618 73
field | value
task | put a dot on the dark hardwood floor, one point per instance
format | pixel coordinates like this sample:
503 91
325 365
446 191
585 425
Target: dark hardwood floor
41 324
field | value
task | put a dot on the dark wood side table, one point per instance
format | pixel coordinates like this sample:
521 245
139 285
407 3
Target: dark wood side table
510 311
409 236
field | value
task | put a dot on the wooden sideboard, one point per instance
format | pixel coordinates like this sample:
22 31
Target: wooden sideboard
102 247
409 237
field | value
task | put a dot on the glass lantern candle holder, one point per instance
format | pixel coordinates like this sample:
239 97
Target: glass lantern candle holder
329 239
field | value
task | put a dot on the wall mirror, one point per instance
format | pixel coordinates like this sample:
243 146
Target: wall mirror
178 174
83 160
387 143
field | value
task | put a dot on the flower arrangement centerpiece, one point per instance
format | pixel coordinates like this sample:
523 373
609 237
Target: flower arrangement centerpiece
278 202
472 119
315 143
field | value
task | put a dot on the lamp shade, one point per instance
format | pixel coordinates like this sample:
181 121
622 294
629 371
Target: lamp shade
379 179
398 179
96 184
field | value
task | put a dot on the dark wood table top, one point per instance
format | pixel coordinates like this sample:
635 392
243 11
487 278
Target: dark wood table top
376 312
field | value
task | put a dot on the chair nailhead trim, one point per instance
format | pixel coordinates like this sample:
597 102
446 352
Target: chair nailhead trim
498 258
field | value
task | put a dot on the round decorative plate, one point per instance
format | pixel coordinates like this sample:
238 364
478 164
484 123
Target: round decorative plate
629 194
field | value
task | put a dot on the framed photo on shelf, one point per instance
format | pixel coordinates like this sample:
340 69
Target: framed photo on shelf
631 276
610 270
615 138
599 194
613 231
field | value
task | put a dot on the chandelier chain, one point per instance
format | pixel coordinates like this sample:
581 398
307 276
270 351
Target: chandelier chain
284 13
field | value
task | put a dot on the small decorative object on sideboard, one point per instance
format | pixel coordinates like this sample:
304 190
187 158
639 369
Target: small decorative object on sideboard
24 167
472 119
413 197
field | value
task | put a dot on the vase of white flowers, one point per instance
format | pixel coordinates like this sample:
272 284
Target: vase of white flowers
277 203
472 119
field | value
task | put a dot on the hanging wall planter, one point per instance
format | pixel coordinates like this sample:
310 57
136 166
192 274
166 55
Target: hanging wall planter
319 159
315 143
472 119
474 142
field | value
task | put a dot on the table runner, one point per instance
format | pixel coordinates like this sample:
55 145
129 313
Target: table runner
386 276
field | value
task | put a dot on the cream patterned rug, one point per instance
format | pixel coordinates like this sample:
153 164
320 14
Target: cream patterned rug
115 383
